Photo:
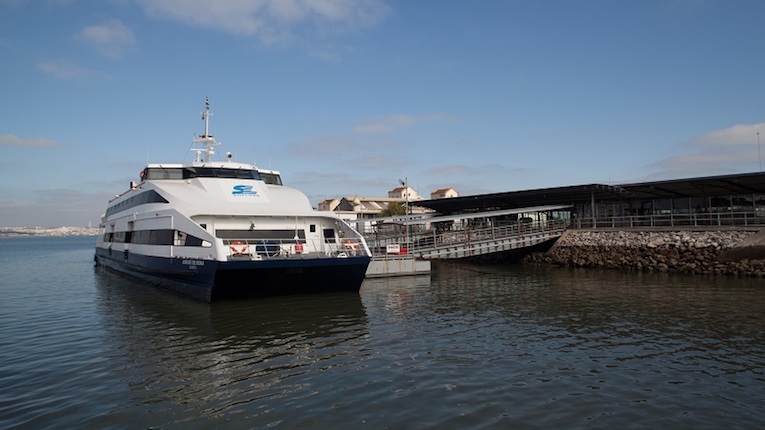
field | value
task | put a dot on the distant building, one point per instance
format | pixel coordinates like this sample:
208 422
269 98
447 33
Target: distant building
328 205
355 208
444 193
364 207
403 193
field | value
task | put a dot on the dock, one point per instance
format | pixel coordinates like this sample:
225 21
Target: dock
407 245
384 266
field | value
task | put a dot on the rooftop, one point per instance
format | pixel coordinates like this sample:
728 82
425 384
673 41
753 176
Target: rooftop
709 186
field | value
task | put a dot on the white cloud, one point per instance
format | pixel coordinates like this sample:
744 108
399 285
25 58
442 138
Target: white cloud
110 38
13 140
272 21
730 150
65 69
395 122
738 135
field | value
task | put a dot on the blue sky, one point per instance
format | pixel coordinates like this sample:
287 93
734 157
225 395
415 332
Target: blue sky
345 97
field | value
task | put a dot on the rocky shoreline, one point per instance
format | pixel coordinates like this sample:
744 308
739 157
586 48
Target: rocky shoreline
696 252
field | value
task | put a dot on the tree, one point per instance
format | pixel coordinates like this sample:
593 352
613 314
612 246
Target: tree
393 209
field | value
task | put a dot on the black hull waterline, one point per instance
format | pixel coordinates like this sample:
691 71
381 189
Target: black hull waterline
207 280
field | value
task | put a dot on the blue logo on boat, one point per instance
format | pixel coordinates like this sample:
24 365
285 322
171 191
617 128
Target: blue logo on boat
243 190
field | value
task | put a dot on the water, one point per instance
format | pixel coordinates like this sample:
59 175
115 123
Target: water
495 348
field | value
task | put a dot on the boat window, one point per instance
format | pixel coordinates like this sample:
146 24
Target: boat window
329 235
216 172
185 239
271 178
284 235
153 237
162 173
150 196
160 237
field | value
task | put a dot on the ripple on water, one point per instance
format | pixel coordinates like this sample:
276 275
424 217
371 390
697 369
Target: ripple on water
461 349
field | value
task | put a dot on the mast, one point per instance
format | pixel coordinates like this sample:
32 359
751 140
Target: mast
206 118
206 141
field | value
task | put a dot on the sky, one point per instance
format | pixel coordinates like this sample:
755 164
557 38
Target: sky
347 97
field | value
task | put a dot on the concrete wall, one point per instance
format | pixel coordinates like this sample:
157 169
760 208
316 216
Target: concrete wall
397 267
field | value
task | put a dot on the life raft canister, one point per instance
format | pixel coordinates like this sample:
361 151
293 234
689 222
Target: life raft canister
238 247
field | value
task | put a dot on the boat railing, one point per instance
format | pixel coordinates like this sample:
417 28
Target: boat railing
267 249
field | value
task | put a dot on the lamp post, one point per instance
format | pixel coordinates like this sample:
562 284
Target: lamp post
405 184
759 153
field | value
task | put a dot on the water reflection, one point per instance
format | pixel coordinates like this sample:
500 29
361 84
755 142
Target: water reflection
220 357
461 348
478 348
594 347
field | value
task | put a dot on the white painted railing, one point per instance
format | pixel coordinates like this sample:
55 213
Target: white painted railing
265 249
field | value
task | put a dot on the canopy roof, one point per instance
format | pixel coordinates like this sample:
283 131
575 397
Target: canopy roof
709 186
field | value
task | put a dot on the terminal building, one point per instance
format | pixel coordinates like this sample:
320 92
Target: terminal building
712 201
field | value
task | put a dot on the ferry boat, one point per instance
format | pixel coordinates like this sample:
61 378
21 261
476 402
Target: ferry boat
223 229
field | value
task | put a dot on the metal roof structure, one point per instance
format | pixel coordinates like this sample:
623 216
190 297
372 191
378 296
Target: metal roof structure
490 214
709 186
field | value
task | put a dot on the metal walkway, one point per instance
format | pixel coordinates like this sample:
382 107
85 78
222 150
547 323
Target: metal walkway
470 243
468 235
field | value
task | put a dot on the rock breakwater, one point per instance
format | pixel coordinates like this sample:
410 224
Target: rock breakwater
664 251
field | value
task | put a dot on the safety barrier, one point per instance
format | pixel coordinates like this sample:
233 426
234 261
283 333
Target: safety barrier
467 242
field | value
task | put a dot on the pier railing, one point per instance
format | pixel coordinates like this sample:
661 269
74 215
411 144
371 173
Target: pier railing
703 219
465 242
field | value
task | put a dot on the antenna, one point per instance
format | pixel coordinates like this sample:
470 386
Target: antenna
206 141
206 117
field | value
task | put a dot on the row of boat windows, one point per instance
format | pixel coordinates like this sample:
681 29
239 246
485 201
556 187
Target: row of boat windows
154 237
198 172
153 173
179 238
150 196
328 234
261 234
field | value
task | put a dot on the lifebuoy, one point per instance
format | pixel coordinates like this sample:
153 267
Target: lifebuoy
298 248
351 245
238 247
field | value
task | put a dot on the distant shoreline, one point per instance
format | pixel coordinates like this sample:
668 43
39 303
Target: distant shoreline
47 231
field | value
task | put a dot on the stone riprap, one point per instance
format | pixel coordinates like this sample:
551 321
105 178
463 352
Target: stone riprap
662 251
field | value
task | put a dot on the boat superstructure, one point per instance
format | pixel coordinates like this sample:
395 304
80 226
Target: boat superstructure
214 229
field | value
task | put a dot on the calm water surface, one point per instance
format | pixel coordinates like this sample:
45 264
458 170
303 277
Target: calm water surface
495 348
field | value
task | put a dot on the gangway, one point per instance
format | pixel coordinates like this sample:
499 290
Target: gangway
469 235
471 243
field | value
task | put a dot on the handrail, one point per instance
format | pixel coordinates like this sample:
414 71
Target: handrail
701 219
424 241
265 249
